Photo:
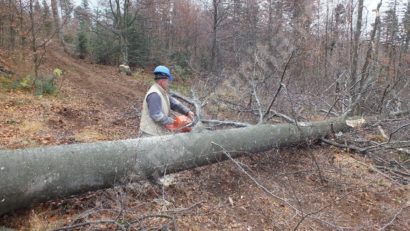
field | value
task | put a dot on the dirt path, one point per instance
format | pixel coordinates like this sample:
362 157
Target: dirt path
101 83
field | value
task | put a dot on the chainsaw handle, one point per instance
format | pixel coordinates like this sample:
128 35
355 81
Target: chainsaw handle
193 123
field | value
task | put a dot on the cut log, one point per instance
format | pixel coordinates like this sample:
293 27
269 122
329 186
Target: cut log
34 175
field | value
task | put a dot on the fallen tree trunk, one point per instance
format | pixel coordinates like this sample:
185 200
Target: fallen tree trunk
34 175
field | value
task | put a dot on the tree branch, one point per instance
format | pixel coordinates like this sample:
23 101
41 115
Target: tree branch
71 227
227 123
393 219
280 84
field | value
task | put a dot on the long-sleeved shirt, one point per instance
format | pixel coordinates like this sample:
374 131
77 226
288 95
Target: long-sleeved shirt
155 112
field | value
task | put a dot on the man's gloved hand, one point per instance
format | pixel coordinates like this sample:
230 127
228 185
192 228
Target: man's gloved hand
191 115
172 127
178 124
181 122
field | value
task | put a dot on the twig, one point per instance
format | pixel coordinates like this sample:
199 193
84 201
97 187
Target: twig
283 116
388 145
393 219
120 201
361 150
90 223
297 211
195 102
280 84
385 145
254 180
376 170
329 111
396 172
150 216
395 131
320 210
331 108
90 212
399 113
350 147
181 210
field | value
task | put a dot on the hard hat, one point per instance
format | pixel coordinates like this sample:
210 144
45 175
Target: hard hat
163 70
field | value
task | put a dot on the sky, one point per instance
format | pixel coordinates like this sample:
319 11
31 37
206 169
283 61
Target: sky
370 4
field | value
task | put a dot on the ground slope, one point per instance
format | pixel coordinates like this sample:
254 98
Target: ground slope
329 188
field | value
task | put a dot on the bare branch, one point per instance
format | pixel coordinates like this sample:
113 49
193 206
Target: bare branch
297 211
395 131
225 123
256 181
183 210
350 147
71 227
151 216
329 112
283 116
399 113
194 102
393 219
280 84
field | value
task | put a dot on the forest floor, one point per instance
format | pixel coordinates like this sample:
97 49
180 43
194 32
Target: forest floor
306 188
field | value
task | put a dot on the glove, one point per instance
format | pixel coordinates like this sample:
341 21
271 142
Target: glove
171 127
181 121
191 115
178 124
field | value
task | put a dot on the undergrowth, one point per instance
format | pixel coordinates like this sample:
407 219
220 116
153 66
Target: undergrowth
42 85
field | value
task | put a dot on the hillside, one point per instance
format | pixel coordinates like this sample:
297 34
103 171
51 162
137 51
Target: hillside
331 189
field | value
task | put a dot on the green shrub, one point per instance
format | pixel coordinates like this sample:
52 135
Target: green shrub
45 86
182 72
23 83
5 82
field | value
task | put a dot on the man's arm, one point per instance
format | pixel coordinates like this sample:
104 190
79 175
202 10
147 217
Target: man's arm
178 106
155 112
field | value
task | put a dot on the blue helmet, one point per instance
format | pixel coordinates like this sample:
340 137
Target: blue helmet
163 70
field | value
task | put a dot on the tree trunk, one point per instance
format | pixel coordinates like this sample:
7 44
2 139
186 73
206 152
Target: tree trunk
33 40
214 48
57 24
34 175
355 59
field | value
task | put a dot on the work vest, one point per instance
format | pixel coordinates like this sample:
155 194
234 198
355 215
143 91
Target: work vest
147 124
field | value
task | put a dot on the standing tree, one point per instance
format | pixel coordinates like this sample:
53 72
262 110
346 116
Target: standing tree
354 94
218 15
82 14
46 17
67 7
406 25
122 21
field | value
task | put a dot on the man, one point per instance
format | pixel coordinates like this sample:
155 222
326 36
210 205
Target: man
157 106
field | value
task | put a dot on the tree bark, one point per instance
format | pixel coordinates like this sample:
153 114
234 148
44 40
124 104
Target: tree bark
57 24
214 37
33 40
35 175
355 59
